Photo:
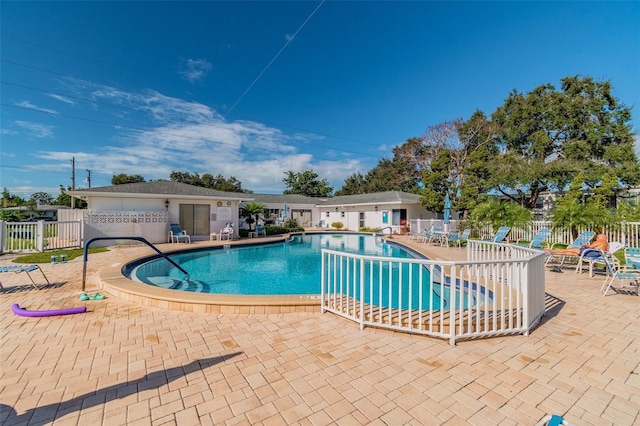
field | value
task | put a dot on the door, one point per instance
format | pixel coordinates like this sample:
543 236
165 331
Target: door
194 218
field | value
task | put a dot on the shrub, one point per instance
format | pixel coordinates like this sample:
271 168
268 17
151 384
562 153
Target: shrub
337 225
367 229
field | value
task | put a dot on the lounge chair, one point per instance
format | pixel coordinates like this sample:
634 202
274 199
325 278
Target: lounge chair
619 272
501 234
584 238
260 231
539 239
632 255
23 268
553 420
176 234
595 256
226 232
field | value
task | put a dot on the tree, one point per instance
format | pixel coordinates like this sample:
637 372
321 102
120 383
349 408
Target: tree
306 183
572 211
11 200
64 199
38 198
207 180
220 183
396 174
123 178
451 158
252 210
354 184
548 136
186 177
501 213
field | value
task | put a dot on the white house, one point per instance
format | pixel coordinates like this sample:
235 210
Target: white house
146 209
389 211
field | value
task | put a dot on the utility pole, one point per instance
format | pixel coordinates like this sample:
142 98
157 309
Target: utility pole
88 177
73 179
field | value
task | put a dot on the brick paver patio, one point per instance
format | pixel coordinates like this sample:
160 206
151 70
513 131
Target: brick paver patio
123 364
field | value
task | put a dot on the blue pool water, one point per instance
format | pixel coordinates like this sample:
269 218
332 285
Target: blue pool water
282 268
278 268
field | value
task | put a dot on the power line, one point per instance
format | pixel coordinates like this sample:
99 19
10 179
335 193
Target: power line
273 60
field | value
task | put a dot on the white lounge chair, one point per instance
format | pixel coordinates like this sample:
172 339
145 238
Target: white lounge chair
595 256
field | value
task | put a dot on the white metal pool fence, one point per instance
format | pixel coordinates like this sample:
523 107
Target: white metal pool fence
503 284
628 233
39 236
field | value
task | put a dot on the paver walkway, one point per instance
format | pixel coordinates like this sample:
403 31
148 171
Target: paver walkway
123 364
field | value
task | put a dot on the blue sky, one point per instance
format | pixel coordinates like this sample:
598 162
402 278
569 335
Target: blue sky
254 89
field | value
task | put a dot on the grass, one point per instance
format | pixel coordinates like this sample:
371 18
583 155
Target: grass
46 256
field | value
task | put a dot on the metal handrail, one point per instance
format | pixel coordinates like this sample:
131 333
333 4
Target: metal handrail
142 240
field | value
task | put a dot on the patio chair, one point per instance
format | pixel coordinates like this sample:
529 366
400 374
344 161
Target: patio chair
226 232
632 256
584 238
23 268
176 234
457 239
436 234
622 273
501 234
539 239
260 231
595 256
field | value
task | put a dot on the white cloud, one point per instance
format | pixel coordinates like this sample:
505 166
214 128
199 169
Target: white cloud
36 129
29 105
172 134
61 98
194 70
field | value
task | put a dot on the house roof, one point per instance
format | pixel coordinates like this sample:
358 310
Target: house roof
287 198
388 197
165 188
177 189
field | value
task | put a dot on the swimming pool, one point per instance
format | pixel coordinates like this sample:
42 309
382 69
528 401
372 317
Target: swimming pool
290 268
280 268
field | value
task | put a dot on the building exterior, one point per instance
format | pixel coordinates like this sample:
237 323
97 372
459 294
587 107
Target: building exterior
390 211
146 209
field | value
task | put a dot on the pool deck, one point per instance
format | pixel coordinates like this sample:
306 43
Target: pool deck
123 363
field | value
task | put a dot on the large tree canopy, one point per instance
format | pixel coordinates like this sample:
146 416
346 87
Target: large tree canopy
306 183
388 175
123 178
207 180
547 136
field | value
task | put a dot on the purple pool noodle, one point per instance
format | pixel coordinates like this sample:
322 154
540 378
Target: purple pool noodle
66 311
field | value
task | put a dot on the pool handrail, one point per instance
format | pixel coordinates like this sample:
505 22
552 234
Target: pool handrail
142 240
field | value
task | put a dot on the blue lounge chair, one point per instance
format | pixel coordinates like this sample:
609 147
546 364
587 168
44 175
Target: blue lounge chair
501 234
623 273
176 234
539 239
260 231
23 268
